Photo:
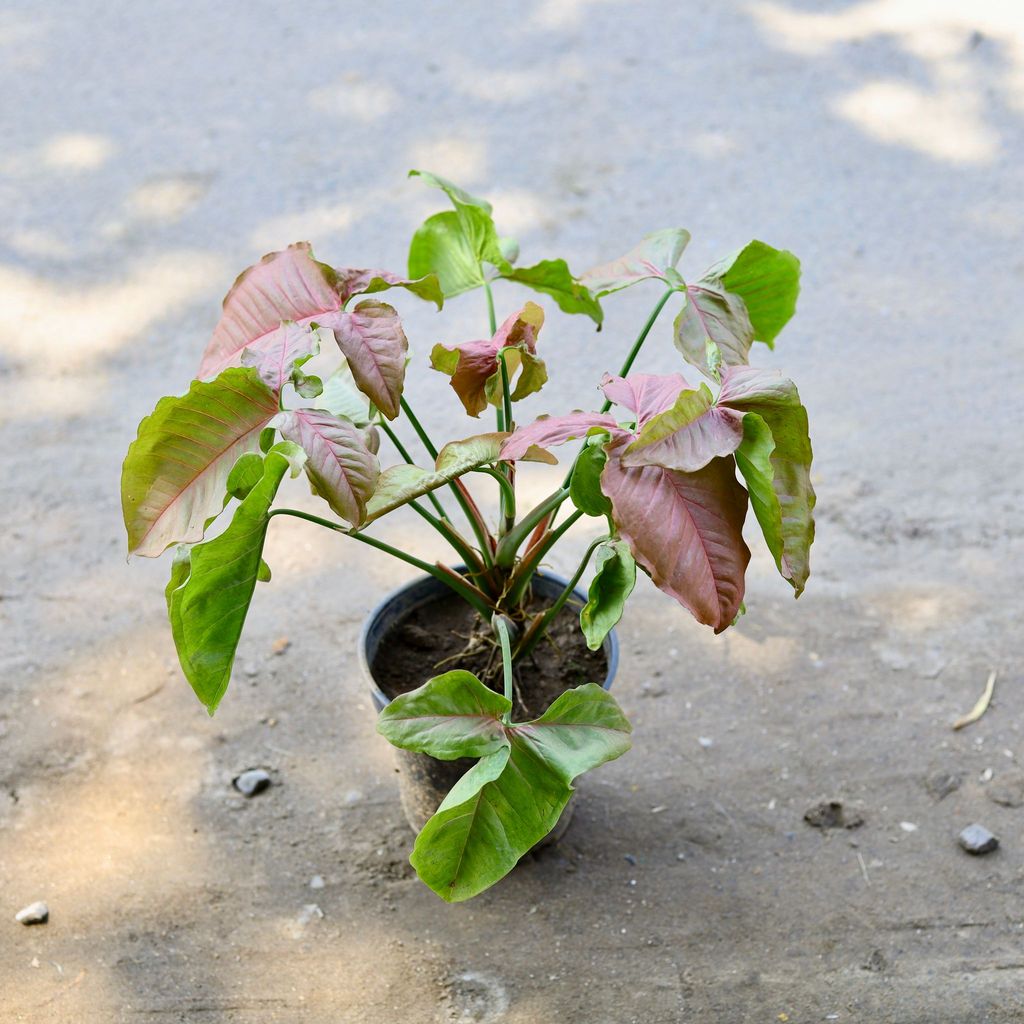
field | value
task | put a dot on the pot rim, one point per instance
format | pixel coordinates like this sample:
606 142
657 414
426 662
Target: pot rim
381 700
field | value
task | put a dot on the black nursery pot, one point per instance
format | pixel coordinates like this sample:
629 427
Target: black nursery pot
424 781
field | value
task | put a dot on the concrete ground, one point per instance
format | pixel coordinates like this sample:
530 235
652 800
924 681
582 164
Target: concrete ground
150 151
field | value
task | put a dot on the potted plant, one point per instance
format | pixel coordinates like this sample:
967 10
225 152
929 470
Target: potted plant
519 706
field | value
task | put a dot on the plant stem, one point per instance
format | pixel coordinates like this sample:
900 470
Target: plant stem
405 456
501 628
465 503
490 305
528 566
511 542
465 590
507 490
458 542
420 432
540 625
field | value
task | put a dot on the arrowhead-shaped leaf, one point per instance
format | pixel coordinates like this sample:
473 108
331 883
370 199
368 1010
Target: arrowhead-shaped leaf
688 435
514 795
768 282
776 401
452 716
175 473
292 286
454 244
656 254
340 466
212 585
341 398
612 584
553 277
374 345
746 297
474 369
686 530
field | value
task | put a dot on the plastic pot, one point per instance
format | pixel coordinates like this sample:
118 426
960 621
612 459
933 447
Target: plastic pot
424 781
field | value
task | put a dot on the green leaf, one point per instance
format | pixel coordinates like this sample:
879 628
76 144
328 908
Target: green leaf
452 245
611 586
514 795
746 297
175 473
307 385
776 401
452 716
440 247
212 585
553 277
768 282
754 459
246 473
585 483
263 574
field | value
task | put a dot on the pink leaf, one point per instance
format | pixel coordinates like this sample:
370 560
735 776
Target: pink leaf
644 393
281 351
340 466
653 257
291 285
373 342
548 431
686 530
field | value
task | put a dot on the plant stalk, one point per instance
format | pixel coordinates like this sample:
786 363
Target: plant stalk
511 542
540 624
501 628
528 566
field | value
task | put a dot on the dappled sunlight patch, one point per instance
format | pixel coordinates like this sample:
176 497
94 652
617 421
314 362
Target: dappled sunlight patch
355 99
88 323
946 125
946 120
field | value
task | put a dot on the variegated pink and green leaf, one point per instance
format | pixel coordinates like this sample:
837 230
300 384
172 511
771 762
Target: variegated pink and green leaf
293 286
174 478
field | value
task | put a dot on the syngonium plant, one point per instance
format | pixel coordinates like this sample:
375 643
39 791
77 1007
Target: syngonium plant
660 473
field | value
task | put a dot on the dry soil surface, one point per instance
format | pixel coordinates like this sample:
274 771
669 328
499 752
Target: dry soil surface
153 150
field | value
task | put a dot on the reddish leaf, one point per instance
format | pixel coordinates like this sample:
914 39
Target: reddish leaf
655 256
292 285
340 466
686 530
473 366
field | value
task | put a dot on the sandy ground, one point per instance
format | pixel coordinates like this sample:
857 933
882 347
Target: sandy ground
153 150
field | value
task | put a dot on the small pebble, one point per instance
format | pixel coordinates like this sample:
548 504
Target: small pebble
705 741
832 814
316 882
1008 788
310 912
630 859
908 826
34 913
977 839
252 781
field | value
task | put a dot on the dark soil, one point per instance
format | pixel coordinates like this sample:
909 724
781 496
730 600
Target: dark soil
446 634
